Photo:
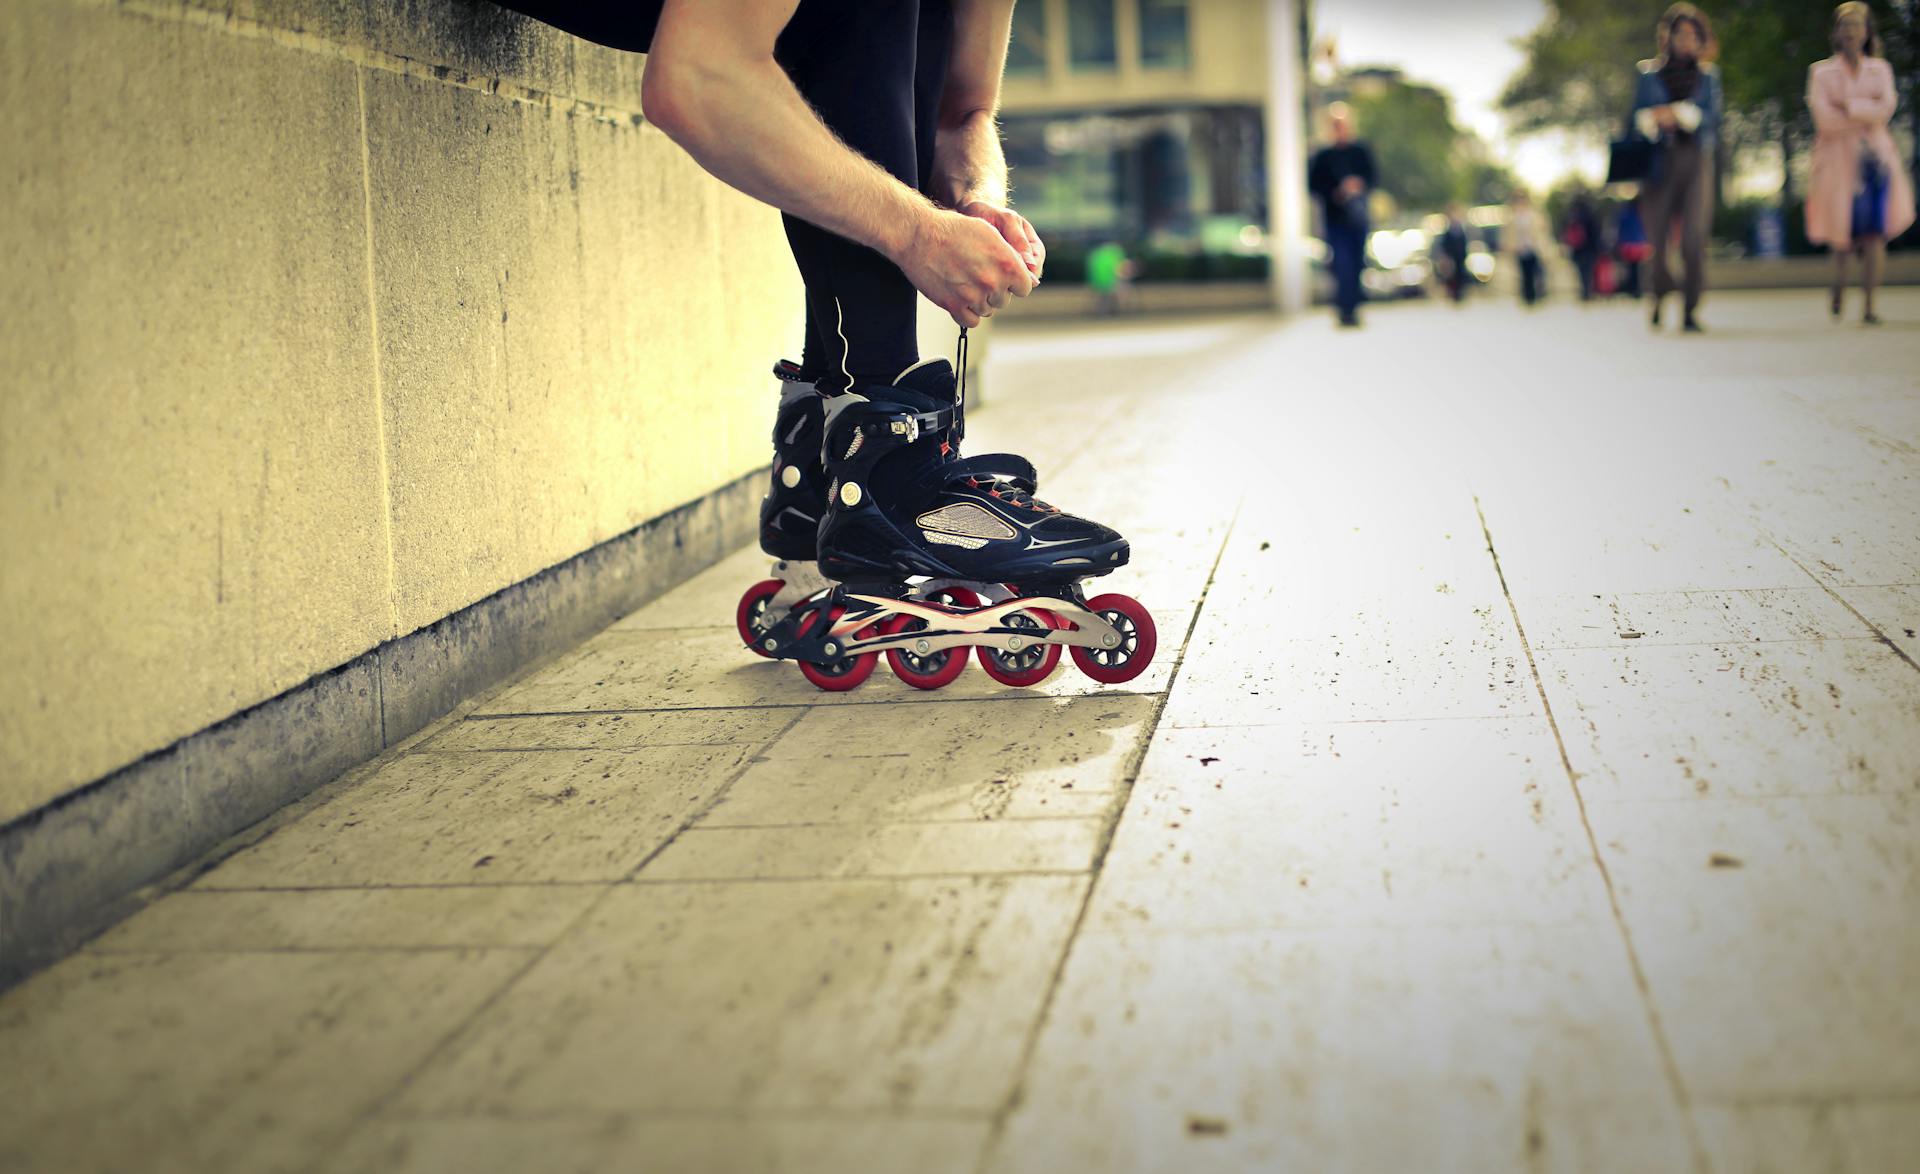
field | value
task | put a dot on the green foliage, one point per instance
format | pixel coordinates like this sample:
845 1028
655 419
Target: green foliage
1899 23
1735 222
1410 128
1480 179
1766 47
1579 70
1422 158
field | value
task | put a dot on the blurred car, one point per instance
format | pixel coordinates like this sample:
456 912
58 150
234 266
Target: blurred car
1400 264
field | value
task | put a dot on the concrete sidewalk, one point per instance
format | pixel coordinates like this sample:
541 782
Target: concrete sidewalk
1527 780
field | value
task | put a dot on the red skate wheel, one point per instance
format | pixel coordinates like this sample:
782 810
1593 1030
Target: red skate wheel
958 597
1030 665
755 614
1113 666
938 669
840 675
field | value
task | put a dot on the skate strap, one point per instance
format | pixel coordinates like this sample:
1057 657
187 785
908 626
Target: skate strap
1001 469
998 466
915 425
788 371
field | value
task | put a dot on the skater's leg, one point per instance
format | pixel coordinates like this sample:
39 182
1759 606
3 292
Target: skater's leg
873 73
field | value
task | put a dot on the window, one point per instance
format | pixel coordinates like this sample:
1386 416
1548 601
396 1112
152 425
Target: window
1090 42
1163 34
1027 52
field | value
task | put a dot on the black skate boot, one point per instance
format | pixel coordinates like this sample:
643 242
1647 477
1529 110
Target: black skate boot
790 513
936 552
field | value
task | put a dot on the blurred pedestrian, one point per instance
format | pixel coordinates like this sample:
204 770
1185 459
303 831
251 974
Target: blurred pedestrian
1859 195
1341 177
1524 240
1677 104
1452 247
1107 271
1582 238
1630 247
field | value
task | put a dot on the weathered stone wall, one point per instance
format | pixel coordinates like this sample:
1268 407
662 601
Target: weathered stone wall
323 320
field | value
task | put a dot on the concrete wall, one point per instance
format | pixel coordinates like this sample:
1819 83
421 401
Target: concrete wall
324 319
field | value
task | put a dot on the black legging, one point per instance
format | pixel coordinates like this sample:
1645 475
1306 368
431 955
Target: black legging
873 72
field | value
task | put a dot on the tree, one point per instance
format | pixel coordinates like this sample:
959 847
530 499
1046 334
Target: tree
1899 22
1766 47
1578 74
1422 158
1479 178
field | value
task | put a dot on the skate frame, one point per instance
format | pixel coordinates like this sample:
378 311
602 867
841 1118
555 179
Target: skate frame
867 605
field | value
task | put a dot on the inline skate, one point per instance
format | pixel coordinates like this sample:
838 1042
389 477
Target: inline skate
795 502
930 553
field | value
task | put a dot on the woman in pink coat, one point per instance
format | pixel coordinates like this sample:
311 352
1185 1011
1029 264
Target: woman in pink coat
1859 195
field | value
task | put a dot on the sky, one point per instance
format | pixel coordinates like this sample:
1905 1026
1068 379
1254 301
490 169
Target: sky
1465 47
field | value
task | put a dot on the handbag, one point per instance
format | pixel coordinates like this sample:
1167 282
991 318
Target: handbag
1629 159
1869 212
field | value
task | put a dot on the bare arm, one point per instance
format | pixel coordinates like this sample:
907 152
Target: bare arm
713 86
969 166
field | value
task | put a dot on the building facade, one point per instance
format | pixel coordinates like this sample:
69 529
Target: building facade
1143 122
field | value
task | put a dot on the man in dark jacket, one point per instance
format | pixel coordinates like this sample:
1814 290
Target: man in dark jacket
1341 177
1452 250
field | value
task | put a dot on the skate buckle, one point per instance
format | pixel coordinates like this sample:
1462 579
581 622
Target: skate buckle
908 427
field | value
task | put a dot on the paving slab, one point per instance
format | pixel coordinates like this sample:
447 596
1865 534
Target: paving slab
842 995
615 731
220 1061
435 918
1640 619
1351 824
1542 554
1346 1049
825 850
1892 612
965 760
1819 717
1838 534
1379 660
1847 1137
1777 938
822 1144
483 818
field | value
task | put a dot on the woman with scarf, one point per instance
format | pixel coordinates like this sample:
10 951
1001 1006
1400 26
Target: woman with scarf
1859 195
1677 105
